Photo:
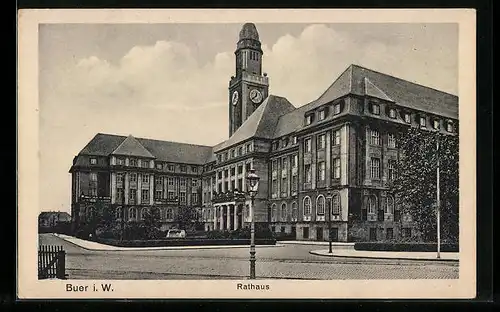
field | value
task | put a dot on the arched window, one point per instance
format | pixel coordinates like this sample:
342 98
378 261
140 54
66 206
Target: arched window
307 205
294 211
320 205
336 204
389 208
132 214
283 212
118 213
273 212
372 209
169 214
144 212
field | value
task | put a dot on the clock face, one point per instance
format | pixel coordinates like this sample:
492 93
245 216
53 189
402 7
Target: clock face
234 98
255 96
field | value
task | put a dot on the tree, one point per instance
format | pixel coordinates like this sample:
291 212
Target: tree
415 184
151 223
185 217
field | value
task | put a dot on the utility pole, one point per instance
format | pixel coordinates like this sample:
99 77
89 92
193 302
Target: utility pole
438 202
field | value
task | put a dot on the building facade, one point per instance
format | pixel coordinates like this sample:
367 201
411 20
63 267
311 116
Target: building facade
332 158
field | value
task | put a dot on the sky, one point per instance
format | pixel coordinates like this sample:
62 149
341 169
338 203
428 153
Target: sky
170 81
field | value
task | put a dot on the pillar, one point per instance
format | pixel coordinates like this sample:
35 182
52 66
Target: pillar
215 208
228 217
221 217
235 209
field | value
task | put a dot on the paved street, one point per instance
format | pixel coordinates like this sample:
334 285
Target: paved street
287 262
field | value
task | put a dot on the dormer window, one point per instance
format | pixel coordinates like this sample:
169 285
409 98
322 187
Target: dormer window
93 161
435 124
336 109
294 139
219 158
158 166
392 113
145 164
133 162
275 145
119 161
449 126
375 109
232 153
321 114
407 117
285 142
423 123
309 120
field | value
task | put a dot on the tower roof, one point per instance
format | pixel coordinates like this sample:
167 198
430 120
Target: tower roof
249 31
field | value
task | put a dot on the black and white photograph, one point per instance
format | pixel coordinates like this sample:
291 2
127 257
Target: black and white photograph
250 152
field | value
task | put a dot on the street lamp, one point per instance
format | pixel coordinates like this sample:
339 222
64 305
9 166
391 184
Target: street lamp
253 187
329 197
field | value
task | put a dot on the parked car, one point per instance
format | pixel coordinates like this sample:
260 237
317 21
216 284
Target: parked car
176 233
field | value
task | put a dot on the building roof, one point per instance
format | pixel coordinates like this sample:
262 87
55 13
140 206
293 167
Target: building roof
361 81
249 31
261 123
107 144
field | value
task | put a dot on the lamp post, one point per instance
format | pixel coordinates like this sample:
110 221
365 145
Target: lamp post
438 202
253 187
329 197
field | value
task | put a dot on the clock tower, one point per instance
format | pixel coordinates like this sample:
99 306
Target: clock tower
249 88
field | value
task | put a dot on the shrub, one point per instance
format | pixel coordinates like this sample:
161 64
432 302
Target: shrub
410 247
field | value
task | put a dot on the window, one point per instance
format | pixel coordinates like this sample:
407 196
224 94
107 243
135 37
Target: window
233 171
194 183
436 124
93 176
336 168
145 178
407 232
294 139
220 174
390 169
336 109
295 161
273 212
375 168
308 120
285 142
233 153
183 168
389 208
336 204
307 205
240 169
132 214
248 166
249 147
275 187
389 233
307 145
320 205
182 197
159 166
294 211
132 196
182 181
226 156
422 122
373 234
158 181
169 214
371 205
194 169
171 195
449 126
240 184
133 177
308 173
194 198
158 194
93 161
321 114
294 183
321 141
321 171
145 195
118 213
240 151
133 162
392 113
284 163
391 140
407 118
120 161
171 167
119 195
375 109
336 137
283 212
374 137
170 181
145 164
219 158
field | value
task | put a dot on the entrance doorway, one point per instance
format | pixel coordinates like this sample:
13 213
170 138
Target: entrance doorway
305 232
334 234
319 233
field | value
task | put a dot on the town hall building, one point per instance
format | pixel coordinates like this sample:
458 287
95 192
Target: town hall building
335 155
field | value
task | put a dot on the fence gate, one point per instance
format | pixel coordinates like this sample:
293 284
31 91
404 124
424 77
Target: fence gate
51 262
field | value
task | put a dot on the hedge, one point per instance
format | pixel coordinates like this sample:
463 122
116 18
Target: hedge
412 247
183 242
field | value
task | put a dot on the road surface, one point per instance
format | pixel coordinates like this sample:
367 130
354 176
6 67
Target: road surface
286 262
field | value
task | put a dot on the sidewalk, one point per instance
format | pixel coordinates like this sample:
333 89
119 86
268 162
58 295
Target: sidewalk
351 253
102 247
316 243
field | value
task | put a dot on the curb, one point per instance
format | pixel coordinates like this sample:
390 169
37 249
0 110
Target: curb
116 248
316 253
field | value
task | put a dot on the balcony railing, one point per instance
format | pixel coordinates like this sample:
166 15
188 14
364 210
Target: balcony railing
229 196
